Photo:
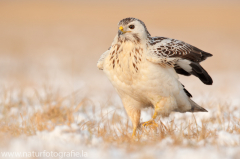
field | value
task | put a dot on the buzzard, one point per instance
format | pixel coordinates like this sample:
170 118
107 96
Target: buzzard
144 71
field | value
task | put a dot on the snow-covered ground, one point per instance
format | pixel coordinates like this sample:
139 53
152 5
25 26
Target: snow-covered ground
100 128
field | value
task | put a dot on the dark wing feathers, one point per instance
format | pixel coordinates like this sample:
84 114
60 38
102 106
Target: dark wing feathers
171 48
197 55
199 72
187 93
181 71
205 55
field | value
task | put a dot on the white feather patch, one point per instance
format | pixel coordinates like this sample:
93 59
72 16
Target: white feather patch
185 64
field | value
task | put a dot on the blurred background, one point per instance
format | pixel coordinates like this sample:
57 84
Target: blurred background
42 40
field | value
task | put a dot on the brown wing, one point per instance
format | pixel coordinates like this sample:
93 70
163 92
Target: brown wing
176 48
189 57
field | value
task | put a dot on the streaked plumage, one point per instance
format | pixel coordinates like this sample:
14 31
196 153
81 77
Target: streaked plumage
187 57
143 69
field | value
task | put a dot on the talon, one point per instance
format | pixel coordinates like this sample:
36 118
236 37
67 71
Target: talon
151 123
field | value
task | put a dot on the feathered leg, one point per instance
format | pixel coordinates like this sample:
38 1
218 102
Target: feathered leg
134 112
163 107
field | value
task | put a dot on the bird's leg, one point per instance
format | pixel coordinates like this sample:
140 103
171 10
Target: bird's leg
151 123
133 109
160 108
134 115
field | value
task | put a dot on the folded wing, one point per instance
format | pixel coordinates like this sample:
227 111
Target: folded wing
101 59
184 57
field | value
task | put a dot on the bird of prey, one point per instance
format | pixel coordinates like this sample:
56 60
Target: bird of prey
144 71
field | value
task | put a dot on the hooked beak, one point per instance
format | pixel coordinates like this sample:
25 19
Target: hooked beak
121 29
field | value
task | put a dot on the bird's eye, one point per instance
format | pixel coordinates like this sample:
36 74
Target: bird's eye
131 26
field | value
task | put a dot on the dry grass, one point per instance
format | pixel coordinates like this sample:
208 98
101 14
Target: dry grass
54 112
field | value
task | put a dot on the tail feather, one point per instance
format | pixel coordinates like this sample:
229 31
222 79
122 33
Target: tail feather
196 107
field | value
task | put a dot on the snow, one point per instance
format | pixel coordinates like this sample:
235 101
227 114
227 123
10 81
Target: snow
102 105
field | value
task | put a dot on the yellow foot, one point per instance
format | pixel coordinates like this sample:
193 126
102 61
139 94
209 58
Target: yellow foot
151 123
134 132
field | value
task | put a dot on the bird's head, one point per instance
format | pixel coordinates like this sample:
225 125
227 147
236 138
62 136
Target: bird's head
132 29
